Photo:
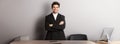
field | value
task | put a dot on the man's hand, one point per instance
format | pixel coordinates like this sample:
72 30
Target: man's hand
61 23
50 25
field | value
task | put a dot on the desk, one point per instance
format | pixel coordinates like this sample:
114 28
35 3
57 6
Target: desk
115 42
101 42
52 42
112 42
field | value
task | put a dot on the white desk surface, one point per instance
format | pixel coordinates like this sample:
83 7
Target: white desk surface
111 42
115 42
52 42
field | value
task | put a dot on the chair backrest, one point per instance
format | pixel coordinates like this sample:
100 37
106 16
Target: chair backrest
77 37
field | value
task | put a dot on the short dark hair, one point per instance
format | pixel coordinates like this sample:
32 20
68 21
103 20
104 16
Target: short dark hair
55 3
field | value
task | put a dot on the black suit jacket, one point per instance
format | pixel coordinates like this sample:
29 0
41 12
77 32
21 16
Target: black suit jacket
56 27
56 32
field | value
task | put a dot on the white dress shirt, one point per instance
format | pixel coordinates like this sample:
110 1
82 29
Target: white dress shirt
55 15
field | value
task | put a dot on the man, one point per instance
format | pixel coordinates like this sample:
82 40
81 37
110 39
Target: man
55 24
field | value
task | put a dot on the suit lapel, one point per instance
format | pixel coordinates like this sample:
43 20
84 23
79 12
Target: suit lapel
52 17
58 17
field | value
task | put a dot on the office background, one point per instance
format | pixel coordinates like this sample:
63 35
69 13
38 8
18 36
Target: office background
21 17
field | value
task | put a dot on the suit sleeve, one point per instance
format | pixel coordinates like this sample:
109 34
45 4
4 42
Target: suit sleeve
60 27
47 25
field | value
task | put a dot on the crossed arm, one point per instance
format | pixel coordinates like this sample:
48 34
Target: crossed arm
55 26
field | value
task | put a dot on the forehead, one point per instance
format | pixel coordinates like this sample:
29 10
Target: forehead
55 5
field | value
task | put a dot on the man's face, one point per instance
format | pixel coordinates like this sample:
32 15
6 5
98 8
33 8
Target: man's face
55 8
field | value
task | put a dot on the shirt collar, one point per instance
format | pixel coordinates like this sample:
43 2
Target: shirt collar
55 13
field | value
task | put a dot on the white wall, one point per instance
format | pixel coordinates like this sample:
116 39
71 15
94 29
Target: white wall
19 17
90 16
116 34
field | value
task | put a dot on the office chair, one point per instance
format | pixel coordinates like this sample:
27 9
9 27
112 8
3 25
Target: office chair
77 37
